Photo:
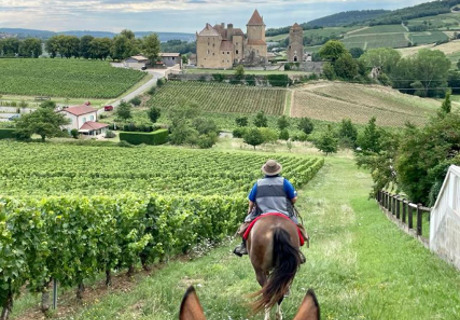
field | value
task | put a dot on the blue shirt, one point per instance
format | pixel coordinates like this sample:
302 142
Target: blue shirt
288 188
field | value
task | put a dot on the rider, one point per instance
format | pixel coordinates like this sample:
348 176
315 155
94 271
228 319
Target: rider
270 194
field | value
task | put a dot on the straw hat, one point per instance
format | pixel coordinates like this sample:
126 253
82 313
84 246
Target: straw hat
271 168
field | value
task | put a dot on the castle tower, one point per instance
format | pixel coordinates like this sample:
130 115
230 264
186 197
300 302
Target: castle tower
295 49
256 36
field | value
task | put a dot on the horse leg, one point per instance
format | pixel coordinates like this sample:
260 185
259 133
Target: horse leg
267 313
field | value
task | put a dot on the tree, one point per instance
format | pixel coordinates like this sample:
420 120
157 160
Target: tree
241 121
327 142
332 50
446 106
283 122
385 58
74 133
154 114
253 137
85 46
260 119
44 122
52 46
123 45
239 72
124 110
356 52
370 139
306 125
328 71
48 104
346 67
99 48
151 47
205 126
30 48
348 133
284 134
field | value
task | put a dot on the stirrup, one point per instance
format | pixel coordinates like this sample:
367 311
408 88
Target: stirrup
240 250
302 257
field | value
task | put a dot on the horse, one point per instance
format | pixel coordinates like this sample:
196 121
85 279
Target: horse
273 245
191 309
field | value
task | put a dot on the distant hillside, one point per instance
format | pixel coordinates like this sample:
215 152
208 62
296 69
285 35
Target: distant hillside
347 18
422 10
45 34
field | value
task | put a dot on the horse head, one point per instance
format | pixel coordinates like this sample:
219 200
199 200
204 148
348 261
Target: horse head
191 309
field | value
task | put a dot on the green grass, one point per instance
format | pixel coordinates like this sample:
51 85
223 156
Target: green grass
369 41
72 78
381 29
360 264
439 21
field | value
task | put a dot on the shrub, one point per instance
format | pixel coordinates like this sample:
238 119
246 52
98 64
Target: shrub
241 121
306 125
284 134
74 133
250 80
152 91
154 113
279 80
239 132
206 141
261 120
136 101
161 82
269 135
110 134
151 138
219 77
7 133
253 137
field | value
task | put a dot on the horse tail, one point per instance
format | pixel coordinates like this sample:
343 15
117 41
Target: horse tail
286 261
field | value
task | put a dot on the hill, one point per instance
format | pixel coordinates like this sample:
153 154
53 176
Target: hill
334 101
45 34
347 18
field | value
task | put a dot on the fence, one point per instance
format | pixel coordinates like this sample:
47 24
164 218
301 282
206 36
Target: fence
445 219
405 212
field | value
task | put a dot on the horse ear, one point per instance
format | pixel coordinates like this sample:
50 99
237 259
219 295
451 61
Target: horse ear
190 308
309 309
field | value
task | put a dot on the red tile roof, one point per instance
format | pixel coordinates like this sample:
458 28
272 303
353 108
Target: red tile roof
256 19
91 125
79 110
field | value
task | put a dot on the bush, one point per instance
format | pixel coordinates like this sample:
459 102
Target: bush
74 133
254 137
219 77
239 132
136 101
7 133
207 141
284 134
151 138
306 125
110 134
261 120
154 113
269 135
279 80
161 82
241 121
152 91
250 80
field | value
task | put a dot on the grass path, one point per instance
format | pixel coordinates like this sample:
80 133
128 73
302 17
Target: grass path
360 264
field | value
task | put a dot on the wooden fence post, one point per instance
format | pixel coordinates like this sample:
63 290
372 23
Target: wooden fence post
404 211
419 220
393 207
410 221
398 207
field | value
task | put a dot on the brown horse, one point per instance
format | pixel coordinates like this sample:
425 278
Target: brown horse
273 246
191 309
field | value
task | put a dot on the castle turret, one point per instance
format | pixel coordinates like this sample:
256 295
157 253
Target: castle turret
256 44
295 48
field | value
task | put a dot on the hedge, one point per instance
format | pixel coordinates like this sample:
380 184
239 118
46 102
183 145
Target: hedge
7 133
152 138
74 238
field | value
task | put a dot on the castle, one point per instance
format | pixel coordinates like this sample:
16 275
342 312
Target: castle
221 48
295 51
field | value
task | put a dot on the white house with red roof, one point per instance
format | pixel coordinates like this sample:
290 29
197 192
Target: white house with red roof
84 119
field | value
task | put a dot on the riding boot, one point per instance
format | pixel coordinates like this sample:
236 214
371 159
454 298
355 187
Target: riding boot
242 229
241 249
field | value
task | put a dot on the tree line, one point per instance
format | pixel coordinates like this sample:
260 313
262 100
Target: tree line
120 47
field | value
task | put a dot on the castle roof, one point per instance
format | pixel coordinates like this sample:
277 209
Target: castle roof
238 32
296 26
256 19
226 45
209 31
221 30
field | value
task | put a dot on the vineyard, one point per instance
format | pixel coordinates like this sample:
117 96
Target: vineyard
71 78
222 97
61 207
332 101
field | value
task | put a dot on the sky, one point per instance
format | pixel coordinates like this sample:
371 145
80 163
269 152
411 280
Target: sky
173 15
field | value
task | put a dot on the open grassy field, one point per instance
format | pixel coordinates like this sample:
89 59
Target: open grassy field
333 101
221 97
380 29
451 49
427 37
336 32
452 20
359 263
71 78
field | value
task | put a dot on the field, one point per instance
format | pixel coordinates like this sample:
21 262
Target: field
70 78
427 37
371 41
380 29
333 101
321 32
221 97
451 49
58 169
452 20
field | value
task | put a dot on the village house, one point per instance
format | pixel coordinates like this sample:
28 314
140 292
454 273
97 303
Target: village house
171 59
84 119
136 62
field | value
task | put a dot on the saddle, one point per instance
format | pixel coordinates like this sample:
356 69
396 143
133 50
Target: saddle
277 214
